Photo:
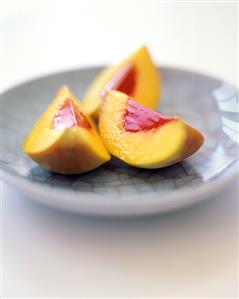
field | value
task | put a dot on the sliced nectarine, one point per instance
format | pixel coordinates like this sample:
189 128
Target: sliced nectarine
137 76
65 140
142 137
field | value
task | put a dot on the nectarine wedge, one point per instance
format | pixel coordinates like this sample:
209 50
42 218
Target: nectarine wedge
137 76
142 137
65 140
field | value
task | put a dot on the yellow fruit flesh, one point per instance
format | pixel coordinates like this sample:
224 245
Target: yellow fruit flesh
147 87
68 151
92 100
147 91
154 148
75 151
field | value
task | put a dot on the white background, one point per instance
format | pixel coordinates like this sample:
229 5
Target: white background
46 253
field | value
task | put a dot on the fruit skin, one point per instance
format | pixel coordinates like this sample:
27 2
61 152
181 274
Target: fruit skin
72 150
147 85
168 144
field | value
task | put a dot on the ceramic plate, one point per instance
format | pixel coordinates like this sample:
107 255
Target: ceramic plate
115 188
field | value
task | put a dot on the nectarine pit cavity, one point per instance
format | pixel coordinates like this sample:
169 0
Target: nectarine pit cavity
124 80
68 116
139 118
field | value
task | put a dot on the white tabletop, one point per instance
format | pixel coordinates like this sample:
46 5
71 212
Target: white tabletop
186 254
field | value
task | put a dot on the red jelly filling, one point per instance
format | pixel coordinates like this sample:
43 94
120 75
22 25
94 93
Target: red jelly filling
68 116
140 118
124 80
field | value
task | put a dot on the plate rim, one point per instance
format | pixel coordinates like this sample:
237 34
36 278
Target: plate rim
56 71
97 204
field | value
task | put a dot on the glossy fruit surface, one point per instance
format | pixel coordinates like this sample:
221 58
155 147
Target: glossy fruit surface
142 137
64 139
137 76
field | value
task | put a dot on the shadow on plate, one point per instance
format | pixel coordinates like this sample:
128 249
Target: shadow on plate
116 176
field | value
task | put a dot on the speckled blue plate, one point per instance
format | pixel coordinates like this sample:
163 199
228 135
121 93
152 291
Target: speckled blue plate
115 188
